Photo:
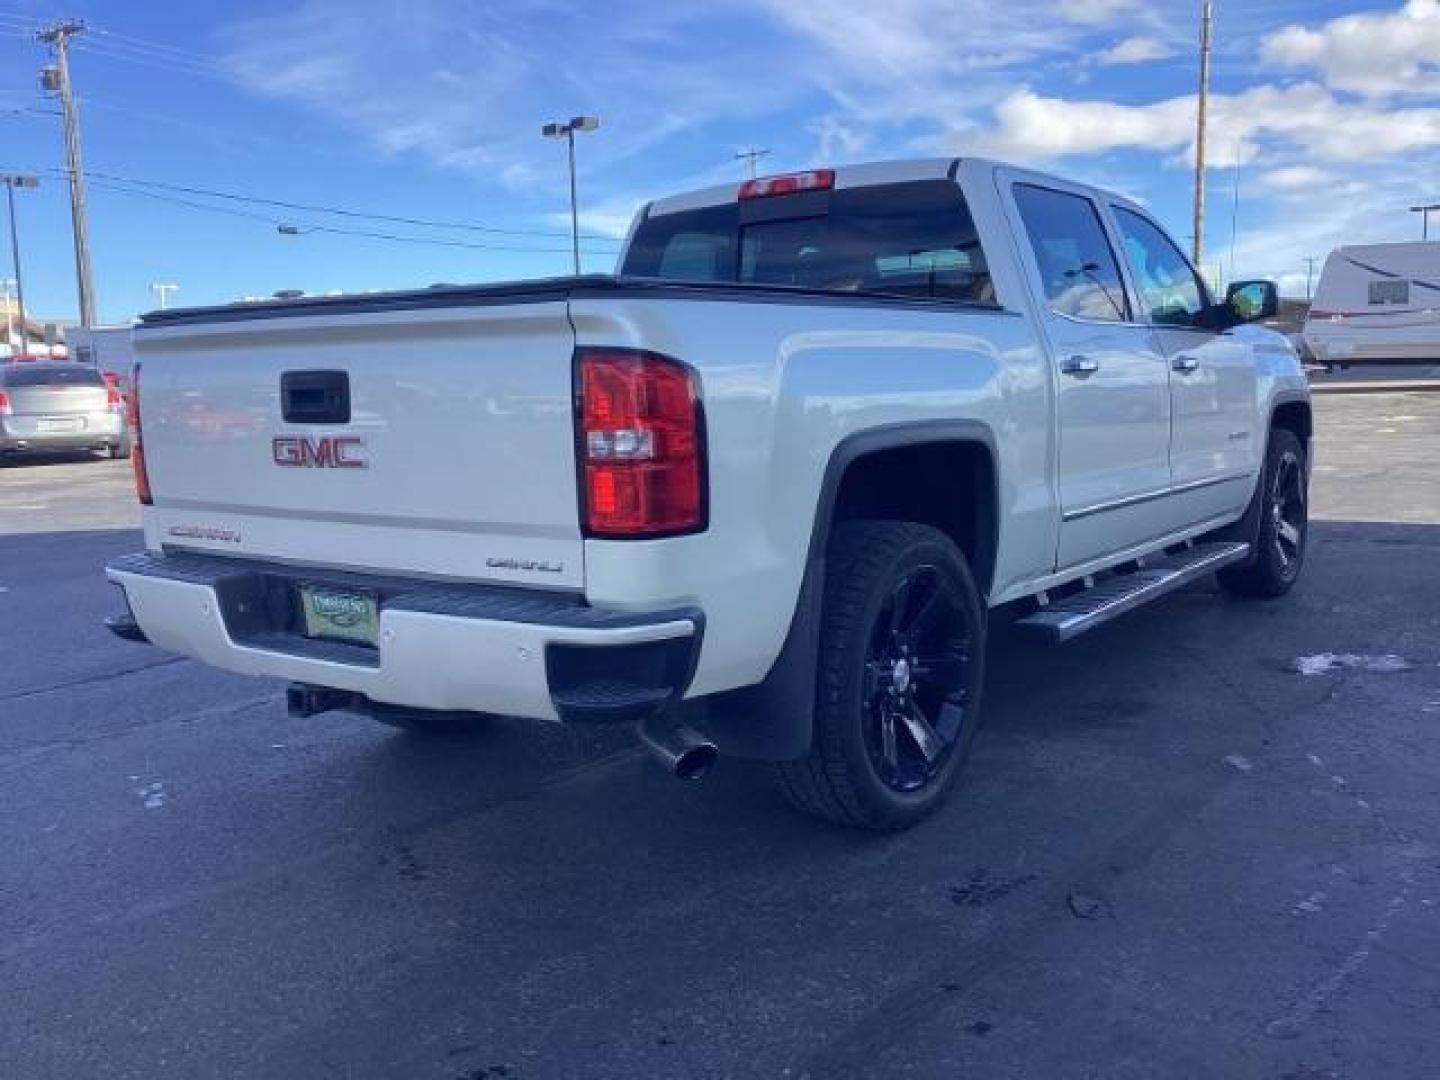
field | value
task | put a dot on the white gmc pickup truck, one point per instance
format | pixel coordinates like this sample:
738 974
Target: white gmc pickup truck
756 493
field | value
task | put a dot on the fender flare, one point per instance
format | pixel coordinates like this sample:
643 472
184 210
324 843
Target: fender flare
1248 527
774 719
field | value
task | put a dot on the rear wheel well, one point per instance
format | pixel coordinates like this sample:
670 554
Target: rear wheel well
948 485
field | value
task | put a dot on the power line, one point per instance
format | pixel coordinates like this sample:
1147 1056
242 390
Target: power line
117 46
308 227
144 45
338 211
112 51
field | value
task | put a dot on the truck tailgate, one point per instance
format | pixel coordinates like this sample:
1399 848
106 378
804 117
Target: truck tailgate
457 457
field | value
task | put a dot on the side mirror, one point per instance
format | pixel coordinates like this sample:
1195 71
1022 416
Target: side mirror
1251 301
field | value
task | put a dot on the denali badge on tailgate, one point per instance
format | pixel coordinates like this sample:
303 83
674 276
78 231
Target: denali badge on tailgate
328 452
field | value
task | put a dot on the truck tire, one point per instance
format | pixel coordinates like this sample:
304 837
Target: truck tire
1283 525
901 661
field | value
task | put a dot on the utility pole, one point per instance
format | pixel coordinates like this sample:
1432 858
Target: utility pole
1206 17
163 289
1309 276
567 131
56 80
751 156
11 182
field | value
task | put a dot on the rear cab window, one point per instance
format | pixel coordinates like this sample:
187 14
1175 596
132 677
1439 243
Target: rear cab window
915 239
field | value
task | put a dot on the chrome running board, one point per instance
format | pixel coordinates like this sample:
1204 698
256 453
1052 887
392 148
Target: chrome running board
1114 596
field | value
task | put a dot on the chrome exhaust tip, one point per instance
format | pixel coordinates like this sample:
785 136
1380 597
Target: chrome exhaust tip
681 750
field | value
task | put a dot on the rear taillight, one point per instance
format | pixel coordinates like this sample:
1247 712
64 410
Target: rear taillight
113 399
5 408
641 445
788 184
137 444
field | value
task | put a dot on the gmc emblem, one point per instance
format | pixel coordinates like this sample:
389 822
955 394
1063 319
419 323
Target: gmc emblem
329 452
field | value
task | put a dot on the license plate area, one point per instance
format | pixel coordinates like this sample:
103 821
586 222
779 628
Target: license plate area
58 425
338 614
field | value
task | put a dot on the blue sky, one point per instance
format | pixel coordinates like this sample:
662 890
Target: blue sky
432 108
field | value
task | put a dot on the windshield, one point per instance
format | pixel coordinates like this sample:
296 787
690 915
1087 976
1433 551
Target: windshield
913 239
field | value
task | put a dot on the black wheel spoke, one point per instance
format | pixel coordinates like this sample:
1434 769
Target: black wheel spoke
925 737
900 605
889 747
945 671
951 720
931 608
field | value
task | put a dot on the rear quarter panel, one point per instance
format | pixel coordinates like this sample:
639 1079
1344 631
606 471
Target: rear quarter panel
784 383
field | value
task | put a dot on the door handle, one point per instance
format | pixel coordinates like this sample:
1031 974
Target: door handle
1080 365
1185 363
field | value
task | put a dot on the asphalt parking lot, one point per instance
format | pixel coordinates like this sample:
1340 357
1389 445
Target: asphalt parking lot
1204 841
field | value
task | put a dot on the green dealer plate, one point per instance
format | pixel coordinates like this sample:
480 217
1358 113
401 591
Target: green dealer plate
340 614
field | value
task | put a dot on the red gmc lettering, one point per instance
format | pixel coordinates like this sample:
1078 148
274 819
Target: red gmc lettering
329 452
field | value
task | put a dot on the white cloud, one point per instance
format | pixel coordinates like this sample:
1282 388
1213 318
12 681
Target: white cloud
930 62
1030 126
837 140
1136 50
468 86
1297 178
1096 12
1276 238
920 40
1376 54
610 217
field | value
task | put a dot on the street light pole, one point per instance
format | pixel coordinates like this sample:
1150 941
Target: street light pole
567 132
11 182
1424 212
574 201
751 157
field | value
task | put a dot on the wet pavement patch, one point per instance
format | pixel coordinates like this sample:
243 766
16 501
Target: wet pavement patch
1323 663
982 889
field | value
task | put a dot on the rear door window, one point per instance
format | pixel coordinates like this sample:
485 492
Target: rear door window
1078 269
914 239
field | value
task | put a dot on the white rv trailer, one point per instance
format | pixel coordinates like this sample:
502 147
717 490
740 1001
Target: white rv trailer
1377 303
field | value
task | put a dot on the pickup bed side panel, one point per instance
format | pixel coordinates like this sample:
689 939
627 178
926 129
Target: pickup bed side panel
784 384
